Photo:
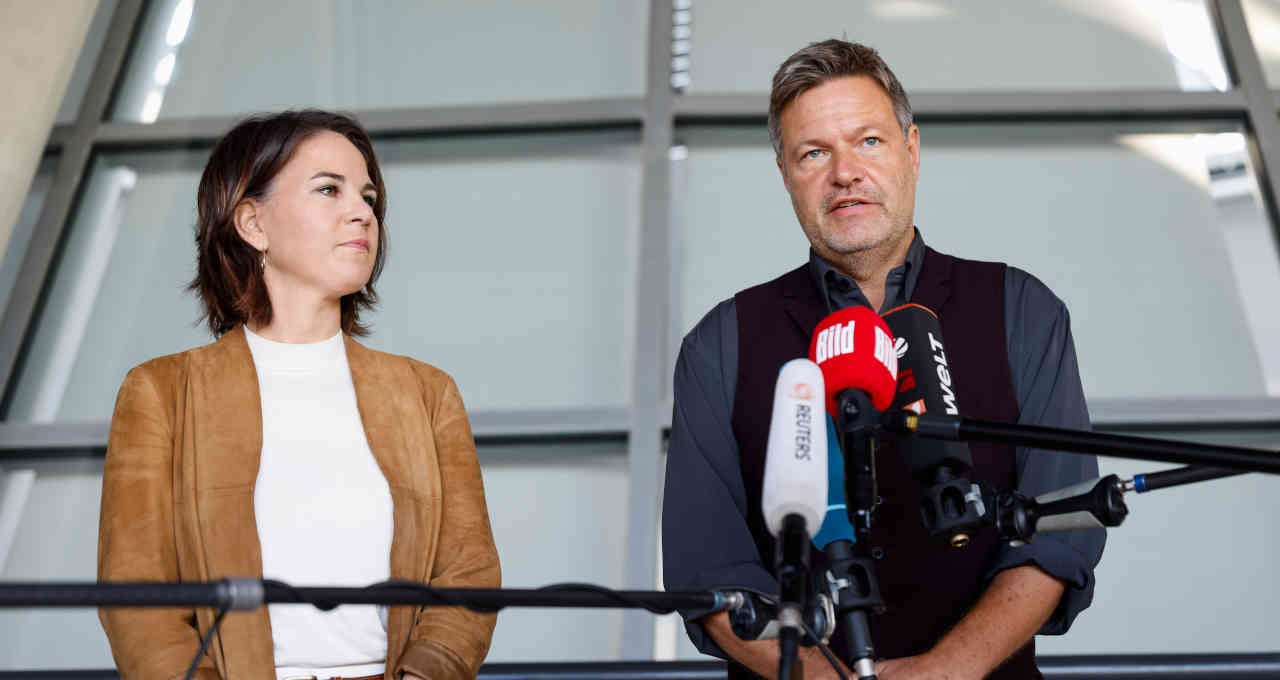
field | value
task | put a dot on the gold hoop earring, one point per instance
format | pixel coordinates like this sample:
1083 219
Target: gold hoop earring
263 261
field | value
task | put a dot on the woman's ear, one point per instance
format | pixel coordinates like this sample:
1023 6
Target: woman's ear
248 221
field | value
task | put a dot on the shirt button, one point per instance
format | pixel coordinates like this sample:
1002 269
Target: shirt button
877 552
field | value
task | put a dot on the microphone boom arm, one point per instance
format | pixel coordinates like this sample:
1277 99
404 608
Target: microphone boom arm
958 428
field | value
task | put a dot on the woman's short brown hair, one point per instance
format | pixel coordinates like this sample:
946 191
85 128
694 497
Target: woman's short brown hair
242 166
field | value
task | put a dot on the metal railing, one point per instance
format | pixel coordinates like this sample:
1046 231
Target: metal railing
1111 667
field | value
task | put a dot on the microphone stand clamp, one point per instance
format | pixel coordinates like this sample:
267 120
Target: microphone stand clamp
754 617
1017 518
952 508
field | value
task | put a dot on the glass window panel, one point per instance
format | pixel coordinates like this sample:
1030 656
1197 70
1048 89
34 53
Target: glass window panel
510 264
86 62
553 508
982 45
16 249
556 518
1263 17
1234 549
209 58
508 268
116 298
1135 228
55 505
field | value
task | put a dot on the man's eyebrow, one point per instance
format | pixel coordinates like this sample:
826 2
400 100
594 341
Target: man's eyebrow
859 131
342 178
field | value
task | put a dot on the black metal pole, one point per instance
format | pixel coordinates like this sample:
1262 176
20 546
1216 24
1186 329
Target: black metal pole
240 594
114 595
849 562
1164 479
954 428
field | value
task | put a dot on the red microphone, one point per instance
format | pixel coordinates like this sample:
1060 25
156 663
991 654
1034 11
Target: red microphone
854 349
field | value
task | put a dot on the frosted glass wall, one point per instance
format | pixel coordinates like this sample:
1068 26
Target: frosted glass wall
507 268
382 55
979 45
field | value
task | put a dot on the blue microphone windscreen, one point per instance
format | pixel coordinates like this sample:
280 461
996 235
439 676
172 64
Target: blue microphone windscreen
835 525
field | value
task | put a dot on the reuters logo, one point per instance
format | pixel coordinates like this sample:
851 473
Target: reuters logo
802 391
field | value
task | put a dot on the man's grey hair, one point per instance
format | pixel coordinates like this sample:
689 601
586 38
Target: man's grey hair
823 61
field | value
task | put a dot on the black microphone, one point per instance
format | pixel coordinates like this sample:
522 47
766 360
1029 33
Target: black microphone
951 506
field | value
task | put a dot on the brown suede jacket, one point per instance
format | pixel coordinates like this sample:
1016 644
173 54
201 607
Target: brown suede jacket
177 505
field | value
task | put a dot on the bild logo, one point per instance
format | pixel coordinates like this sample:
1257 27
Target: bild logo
834 341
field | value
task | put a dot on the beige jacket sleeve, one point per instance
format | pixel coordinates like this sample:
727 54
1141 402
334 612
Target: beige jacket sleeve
449 643
136 536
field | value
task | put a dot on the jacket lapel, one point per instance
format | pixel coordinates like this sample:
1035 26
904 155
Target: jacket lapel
377 411
224 442
805 308
397 427
222 448
933 288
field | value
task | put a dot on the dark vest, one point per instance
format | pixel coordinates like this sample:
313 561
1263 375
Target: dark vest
927 587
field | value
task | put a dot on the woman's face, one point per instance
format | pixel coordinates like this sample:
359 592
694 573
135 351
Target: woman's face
316 223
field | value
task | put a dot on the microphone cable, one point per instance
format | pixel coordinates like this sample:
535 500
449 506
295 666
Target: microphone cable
826 652
204 643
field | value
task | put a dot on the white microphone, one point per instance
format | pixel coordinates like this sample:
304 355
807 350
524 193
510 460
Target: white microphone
795 464
794 500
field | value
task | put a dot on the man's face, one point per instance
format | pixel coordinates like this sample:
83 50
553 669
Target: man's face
850 171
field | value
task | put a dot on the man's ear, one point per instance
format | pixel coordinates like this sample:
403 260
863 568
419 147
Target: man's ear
913 148
782 170
248 223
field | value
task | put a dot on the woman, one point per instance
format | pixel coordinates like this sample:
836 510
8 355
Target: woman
286 448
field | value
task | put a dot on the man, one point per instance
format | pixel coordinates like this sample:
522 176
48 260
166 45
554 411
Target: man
849 157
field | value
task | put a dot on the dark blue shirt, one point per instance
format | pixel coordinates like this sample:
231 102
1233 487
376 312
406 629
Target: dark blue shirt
704 505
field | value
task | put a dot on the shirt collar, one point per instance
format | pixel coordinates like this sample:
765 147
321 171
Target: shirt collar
840 291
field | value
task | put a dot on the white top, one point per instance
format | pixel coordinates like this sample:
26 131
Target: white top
323 508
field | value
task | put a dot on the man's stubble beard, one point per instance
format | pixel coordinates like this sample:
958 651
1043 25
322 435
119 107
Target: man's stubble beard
832 246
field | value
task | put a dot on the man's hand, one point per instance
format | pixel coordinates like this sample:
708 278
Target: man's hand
761 656
923 667
1008 614
816 666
